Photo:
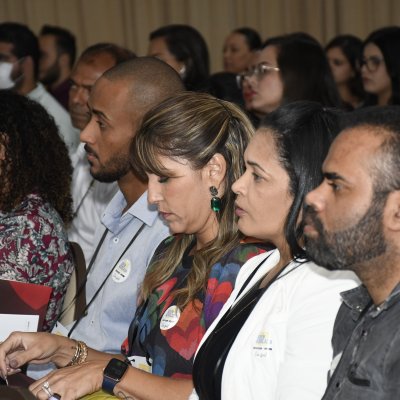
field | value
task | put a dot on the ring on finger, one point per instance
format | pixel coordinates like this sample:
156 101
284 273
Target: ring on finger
46 389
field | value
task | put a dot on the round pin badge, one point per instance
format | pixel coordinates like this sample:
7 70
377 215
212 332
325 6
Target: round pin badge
170 318
121 271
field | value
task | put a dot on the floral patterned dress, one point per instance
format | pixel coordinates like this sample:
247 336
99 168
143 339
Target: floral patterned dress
168 336
34 248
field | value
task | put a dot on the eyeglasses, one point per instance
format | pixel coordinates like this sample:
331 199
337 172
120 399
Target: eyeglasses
372 63
259 71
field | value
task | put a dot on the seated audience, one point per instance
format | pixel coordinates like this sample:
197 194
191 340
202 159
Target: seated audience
344 55
289 68
191 149
185 50
352 222
57 57
380 66
238 53
130 230
35 201
89 195
272 337
19 53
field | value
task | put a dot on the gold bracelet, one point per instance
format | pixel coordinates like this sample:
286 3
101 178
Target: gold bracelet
83 353
80 355
75 356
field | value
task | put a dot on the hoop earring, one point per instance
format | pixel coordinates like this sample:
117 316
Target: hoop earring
215 200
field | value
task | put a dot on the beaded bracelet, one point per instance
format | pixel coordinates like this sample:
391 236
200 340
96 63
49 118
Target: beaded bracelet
80 355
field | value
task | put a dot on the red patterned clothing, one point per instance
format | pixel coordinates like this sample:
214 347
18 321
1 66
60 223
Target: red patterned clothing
34 248
168 336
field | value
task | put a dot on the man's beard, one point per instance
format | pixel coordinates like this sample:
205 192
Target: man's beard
348 248
52 74
113 170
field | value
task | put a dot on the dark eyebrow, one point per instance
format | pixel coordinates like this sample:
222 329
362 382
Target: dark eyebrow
98 113
333 176
254 164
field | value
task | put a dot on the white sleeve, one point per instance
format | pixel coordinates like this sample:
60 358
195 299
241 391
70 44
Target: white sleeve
308 352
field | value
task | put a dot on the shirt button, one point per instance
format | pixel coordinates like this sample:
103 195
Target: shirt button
364 333
337 385
116 240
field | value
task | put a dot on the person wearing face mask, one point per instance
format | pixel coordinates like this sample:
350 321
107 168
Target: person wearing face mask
19 72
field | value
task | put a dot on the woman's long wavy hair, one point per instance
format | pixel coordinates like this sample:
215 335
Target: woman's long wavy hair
193 127
33 157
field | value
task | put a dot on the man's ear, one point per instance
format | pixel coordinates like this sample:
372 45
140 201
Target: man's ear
392 211
215 172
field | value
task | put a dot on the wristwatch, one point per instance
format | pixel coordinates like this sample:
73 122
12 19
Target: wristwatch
112 374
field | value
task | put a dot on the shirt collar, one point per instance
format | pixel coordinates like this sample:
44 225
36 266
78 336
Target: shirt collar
358 299
114 220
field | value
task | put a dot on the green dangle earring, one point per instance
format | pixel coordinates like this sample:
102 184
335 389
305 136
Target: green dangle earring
215 200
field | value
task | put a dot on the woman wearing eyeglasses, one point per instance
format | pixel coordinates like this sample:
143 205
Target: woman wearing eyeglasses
380 66
289 68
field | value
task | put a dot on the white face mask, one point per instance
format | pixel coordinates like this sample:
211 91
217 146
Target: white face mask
5 75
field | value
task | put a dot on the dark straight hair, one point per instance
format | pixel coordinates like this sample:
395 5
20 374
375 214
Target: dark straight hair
351 46
251 36
388 41
188 46
302 132
65 41
304 69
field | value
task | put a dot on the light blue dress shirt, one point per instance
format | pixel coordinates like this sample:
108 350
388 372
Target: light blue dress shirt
106 324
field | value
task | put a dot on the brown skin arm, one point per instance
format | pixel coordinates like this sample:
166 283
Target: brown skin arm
76 381
40 348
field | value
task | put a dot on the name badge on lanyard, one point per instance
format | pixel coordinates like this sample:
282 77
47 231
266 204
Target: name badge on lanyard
121 271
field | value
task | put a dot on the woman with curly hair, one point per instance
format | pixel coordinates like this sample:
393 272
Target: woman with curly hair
35 201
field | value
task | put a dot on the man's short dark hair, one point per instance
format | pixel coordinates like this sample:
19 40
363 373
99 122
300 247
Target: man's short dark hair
65 41
383 121
24 42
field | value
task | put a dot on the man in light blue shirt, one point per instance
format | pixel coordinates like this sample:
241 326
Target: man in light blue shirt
117 103
107 322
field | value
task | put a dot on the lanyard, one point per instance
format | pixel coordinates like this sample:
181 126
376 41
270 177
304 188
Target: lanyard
83 199
106 278
82 286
